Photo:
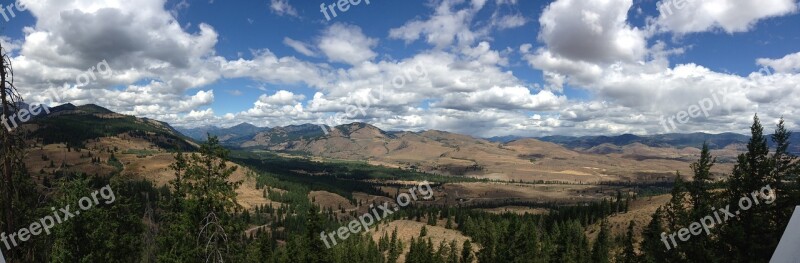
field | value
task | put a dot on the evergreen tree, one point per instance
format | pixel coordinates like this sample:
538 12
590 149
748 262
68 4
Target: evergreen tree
395 247
786 167
676 217
628 252
466 252
653 249
453 255
106 231
210 203
696 248
316 249
753 170
601 246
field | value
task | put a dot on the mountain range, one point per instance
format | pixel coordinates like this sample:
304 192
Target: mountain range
246 135
584 159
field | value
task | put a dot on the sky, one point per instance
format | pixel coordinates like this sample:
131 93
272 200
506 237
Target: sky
478 67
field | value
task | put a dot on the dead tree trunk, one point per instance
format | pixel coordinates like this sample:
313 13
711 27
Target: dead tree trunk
10 150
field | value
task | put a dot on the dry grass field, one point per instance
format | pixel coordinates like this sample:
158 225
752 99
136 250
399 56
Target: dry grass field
406 229
140 159
527 160
640 211
520 210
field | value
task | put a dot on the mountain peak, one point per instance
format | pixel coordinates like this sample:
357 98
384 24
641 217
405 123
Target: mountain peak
358 129
244 125
94 108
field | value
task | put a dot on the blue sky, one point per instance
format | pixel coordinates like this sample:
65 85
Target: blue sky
492 67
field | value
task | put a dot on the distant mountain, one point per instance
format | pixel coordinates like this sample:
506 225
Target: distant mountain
716 141
74 125
430 151
456 154
675 140
281 135
229 136
504 139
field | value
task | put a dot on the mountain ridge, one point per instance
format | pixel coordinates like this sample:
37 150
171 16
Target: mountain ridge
431 151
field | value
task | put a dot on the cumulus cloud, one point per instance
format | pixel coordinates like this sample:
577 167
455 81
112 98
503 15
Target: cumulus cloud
634 87
268 67
592 31
507 98
452 23
461 82
787 64
347 44
153 59
731 16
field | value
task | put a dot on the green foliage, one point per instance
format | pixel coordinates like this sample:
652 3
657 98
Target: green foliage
653 250
751 235
205 208
628 251
108 231
601 248
75 129
466 253
113 161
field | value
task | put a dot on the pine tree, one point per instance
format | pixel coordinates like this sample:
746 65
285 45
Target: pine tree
699 187
395 247
466 252
786 166
442 252
210 204
179 166
628 252
431 219
653 250
316 250
676 217
452 257
752 171
601 245
108 232
696 248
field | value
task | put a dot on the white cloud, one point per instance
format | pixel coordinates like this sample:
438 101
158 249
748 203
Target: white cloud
266 66
282 7
447 25
510 21
731 16
346 43
507 98
162 70
155 62
300 47
787 64
592 31
634 86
